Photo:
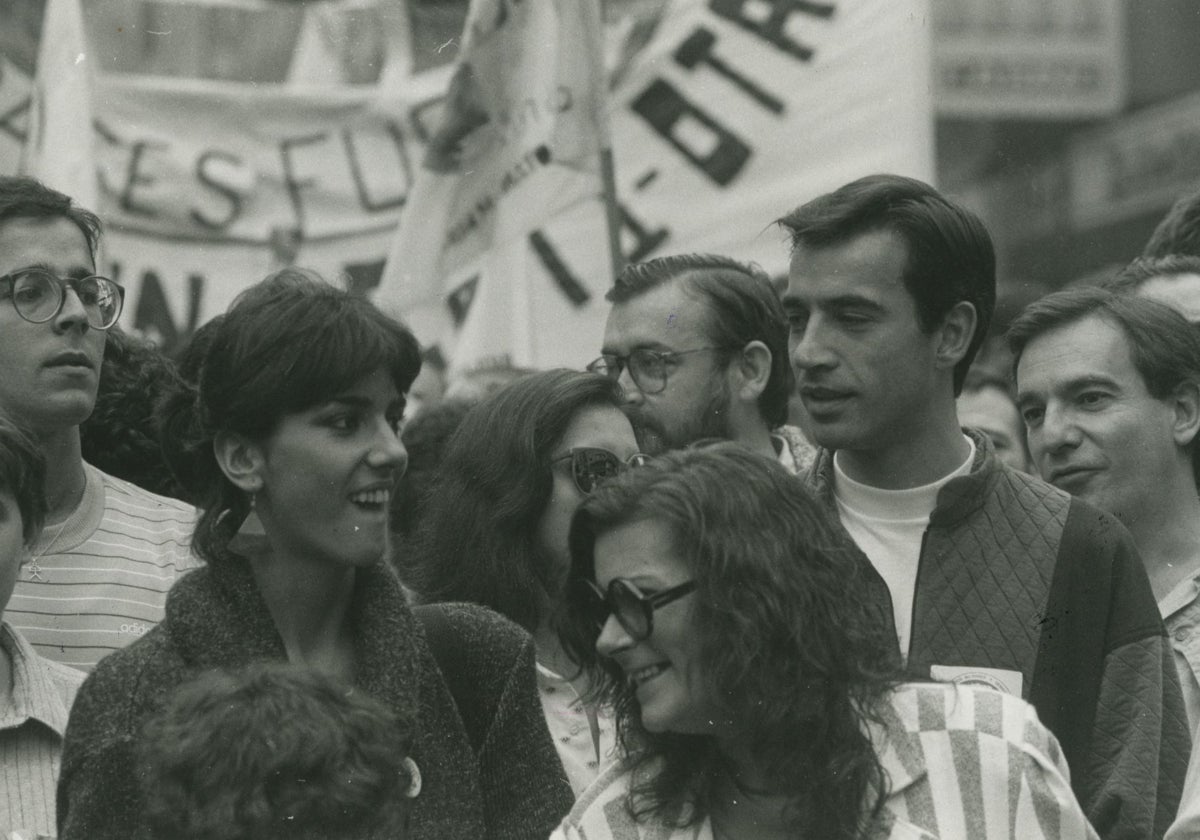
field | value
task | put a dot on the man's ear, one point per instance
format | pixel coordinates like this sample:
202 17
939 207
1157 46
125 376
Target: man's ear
955 333
752 369
240 459
1186 425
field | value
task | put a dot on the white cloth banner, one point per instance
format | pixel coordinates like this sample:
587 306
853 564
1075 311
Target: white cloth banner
58 149
734 112
207 186
727 115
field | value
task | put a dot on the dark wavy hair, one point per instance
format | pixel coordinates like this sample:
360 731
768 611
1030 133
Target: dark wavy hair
742 307
950 253
790 648
1179 230
22 197
1164 347
120 436
23 473
1141 269
286 344
273 752
478 538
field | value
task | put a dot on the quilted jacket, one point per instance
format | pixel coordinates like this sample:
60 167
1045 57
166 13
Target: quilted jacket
1017 575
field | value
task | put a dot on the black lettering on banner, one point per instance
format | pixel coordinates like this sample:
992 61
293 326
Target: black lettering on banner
153 317
665 108
774 28
698 49
360 185
133 178
645 241
108 136
212 179
363 277
425 117
560 273
295 186
9 124
460 300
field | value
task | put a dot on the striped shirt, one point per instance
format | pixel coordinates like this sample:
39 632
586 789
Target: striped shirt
964 762
32 725
99 580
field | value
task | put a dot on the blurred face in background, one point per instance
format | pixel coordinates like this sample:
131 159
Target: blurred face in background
990 410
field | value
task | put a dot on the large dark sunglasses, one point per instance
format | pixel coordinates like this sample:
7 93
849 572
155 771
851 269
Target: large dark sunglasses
633 608
591 465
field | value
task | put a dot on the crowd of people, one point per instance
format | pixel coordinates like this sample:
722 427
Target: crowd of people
787 560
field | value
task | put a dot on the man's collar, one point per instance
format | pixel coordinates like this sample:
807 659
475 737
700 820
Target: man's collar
956 500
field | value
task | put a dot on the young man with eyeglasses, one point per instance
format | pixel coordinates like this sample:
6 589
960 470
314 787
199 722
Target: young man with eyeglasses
989 575
98 575
699 343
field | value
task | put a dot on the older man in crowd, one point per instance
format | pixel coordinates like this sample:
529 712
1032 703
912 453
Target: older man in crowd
699 343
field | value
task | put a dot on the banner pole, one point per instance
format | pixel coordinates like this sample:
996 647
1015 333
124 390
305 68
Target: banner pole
608 178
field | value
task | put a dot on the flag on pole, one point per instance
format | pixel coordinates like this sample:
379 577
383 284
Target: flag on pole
519 143
59 150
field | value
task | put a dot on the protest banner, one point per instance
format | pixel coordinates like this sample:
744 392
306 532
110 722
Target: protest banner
729 115
724 114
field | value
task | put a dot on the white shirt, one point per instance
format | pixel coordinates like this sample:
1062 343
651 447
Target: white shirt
889 525
584 750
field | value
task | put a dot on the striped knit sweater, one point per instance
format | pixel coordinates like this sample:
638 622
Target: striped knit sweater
100 579
963 763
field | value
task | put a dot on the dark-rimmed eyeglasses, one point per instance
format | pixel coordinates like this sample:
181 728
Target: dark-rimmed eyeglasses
633 608
648 368
591 465
38 296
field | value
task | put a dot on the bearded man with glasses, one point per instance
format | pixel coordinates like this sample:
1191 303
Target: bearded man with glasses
97 577
699 344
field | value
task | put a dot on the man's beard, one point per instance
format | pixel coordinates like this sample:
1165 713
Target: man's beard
711 420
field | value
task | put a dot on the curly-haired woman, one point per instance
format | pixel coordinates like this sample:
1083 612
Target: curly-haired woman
716 604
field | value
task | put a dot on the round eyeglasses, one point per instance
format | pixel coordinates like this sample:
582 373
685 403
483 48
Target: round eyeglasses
648 368
633 608
38 296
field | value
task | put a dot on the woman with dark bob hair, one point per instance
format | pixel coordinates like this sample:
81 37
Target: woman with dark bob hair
293 429
715 602
495 526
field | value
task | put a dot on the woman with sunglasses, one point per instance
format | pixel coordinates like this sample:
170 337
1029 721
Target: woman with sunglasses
494 530
292 432
757 696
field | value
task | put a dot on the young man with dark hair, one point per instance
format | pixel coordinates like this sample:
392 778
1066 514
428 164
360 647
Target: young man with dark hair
100 572
989 575
699 343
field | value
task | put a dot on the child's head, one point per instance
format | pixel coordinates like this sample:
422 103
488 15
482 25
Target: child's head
275 751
